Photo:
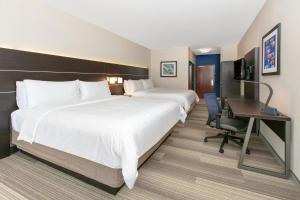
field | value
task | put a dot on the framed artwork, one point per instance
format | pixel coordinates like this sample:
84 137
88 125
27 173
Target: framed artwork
168 69
271 51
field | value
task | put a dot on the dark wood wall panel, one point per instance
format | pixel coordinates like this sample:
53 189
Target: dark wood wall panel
22 60
18 65
8 79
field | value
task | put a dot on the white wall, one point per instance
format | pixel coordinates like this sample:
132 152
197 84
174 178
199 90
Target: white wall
179 54
229 53
33 25
286 86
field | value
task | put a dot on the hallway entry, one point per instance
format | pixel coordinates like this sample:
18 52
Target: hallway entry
205 79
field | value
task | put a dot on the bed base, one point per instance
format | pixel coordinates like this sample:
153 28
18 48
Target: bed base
81 177
93 182
192 107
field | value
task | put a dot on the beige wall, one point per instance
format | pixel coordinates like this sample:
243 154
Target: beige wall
192 56
229 52
181 55
35 26
286 86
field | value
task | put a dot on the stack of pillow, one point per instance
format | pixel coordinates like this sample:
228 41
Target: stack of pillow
131 86
32 93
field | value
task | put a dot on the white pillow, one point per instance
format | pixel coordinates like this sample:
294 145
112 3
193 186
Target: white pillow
97 89
148 84
48 92
125 86
134 85
139 85
130 86
21 96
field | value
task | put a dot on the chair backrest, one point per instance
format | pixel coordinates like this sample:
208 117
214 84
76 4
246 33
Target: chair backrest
213 106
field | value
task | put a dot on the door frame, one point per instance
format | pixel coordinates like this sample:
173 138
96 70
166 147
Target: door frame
214 76
192 78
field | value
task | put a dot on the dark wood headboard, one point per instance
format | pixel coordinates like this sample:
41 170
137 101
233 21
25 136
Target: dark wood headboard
18 65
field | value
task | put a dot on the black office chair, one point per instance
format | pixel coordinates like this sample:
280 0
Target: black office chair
229 125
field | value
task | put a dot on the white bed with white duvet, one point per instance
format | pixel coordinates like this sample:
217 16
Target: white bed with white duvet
145 88
111 130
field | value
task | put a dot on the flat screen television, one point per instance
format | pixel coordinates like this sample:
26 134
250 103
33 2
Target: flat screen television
239 69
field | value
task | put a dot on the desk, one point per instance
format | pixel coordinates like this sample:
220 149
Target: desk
242 107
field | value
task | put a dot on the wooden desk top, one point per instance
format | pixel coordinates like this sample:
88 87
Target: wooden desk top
242 107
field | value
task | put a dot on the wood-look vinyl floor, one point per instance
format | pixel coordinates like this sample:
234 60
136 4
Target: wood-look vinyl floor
184 167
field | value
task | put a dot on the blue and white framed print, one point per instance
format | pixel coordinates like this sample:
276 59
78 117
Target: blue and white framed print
271 51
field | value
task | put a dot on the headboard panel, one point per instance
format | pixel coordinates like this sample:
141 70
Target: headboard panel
18 65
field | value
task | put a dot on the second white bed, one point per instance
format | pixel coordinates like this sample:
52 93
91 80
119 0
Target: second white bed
185 98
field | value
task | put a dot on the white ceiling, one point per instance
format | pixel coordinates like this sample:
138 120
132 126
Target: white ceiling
168 23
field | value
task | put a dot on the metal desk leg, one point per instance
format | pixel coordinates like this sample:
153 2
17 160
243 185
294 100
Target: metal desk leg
287 148
246 141
264 171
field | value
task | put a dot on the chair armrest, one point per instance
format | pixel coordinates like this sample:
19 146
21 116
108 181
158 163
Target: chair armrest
218 120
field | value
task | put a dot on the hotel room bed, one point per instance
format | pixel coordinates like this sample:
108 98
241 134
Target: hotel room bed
185 98
145 88
19 66
103 139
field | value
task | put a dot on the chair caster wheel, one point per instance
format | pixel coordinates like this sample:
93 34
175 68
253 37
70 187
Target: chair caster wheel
221 151
205 139
248 151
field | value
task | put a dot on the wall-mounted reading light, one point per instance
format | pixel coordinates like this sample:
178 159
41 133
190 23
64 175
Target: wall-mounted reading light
115 80
120 80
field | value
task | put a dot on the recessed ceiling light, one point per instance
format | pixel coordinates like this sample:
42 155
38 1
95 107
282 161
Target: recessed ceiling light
204 50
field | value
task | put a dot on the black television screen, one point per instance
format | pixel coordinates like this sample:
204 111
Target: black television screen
239 69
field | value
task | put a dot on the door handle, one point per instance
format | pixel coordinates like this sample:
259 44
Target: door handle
212 82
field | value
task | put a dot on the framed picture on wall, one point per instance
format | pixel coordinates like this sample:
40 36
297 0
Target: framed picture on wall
271 51
168 69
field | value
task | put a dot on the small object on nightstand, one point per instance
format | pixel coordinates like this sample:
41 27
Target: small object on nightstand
115 85
114 80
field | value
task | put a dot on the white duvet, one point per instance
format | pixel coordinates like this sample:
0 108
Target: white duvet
185 98
114 131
